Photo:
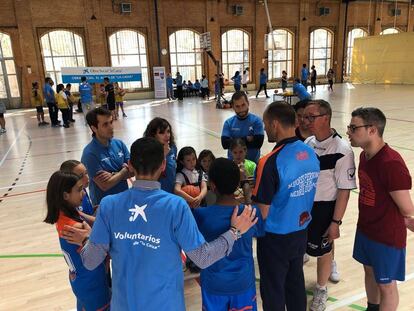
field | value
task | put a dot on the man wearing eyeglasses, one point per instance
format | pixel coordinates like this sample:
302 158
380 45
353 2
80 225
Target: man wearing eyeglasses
336 179
385 209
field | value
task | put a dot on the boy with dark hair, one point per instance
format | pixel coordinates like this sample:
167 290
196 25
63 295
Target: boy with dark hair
229 284
144 230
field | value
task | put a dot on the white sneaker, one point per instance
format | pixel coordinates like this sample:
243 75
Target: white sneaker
320 297
334 277
305 258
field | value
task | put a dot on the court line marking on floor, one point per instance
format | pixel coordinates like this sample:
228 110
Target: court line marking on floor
6 196
349 301
23 185
12 145
29 256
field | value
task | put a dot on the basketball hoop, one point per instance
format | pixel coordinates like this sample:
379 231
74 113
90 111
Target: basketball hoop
205 41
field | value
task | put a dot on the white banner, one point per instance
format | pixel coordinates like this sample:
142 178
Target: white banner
160 86
97 74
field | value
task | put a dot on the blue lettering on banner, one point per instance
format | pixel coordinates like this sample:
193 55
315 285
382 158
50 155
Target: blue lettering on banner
98 78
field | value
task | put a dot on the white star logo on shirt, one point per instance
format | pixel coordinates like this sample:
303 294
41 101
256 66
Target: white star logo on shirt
250 128
120 154
138 210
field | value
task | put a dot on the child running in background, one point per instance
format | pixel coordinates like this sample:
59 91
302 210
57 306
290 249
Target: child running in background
188 175
284 80
119 99
63 196
229 284
102 96
86 209
238 150
62 104
205 158
37 101
161 130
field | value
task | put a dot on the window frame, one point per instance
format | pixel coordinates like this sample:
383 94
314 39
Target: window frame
349 48
223 51
76 56
146 68
328 59
175 53
290 70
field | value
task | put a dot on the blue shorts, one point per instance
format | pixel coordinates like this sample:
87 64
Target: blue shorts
387 262
246 301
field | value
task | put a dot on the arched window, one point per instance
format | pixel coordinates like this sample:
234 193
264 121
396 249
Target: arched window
389 31
184 56
9 87
235 51
280 55
353 34
62 48
128 48
320 53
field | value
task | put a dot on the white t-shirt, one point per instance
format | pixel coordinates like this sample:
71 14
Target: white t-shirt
337 166
191 175
245 78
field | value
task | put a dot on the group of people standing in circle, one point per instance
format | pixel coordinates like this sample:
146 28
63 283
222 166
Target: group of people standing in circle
180 203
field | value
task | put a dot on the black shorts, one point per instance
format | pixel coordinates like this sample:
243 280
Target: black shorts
111 106
322 214
245 86
39 109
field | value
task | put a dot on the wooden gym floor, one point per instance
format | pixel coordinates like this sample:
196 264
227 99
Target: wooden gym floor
33 272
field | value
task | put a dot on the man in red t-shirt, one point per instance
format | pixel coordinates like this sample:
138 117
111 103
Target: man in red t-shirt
385 209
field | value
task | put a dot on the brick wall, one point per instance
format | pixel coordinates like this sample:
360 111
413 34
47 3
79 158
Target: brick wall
27 20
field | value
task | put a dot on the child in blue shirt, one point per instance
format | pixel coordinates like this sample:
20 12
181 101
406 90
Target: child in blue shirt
63 197
229 284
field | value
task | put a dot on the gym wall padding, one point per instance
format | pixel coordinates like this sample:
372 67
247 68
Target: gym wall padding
385 59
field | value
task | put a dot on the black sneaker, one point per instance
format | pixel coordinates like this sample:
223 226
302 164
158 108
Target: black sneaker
66 126
72 120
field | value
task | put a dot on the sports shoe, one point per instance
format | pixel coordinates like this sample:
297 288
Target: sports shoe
320 297
305 258
334 277
2 131
124 115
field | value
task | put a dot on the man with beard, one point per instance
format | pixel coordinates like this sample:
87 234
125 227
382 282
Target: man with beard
105 157
244 125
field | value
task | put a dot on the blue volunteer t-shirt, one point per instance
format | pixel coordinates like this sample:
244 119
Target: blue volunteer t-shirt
85 92
169 82
49 93
301 91
146 230
234 274
286 180
237 80
263 78
304 73
235 127
167 179
97 157
86 206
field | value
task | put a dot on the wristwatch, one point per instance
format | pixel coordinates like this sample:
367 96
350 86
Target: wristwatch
338 222
236 232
